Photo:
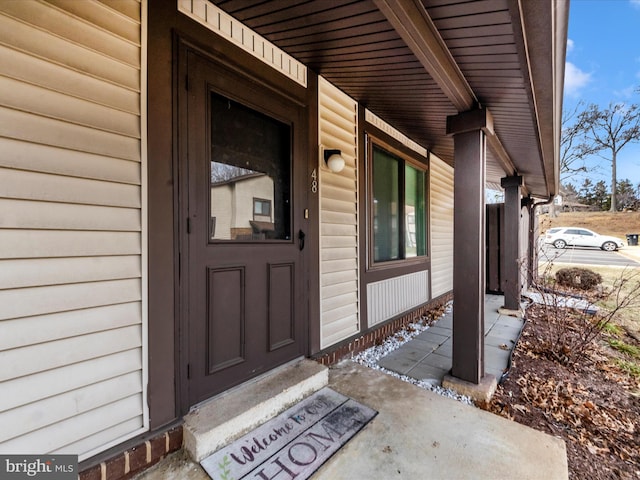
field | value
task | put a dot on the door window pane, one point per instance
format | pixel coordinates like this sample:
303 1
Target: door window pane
250 174
386 203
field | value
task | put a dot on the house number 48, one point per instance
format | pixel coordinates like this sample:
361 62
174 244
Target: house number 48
314 181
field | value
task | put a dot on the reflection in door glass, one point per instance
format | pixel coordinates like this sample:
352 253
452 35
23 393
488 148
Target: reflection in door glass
250 174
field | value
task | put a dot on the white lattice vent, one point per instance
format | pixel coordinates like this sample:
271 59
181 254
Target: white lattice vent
373 119
216 20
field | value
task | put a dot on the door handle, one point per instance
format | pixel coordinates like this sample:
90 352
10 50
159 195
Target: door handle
301 236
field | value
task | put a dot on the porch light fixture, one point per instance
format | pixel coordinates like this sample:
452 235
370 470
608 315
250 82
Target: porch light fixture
334 160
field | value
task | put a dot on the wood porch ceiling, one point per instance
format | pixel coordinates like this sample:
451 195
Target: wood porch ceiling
354 46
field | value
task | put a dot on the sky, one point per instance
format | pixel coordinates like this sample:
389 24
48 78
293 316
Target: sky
603 66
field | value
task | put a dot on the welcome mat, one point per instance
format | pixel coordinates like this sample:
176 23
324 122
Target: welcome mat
295 443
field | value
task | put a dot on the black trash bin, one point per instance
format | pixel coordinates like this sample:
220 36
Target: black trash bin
632 239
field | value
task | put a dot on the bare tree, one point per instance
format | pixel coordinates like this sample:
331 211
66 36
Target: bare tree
609 130
221 172
573 145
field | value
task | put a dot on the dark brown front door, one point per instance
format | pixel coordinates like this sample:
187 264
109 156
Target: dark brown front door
242 253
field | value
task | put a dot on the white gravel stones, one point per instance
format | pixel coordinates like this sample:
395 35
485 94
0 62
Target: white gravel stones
371 356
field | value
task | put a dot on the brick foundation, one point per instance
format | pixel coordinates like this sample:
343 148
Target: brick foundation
136 459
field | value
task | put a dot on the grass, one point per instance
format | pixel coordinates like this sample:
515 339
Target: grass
625 348
613 329
617 224
611 276
630 316
605 223
631 368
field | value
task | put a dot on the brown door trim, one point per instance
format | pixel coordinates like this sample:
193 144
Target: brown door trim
183 90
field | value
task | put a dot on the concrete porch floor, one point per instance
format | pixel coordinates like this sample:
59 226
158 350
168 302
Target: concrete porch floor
418 434
428 356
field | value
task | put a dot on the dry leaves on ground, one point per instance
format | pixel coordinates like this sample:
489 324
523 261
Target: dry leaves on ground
592 404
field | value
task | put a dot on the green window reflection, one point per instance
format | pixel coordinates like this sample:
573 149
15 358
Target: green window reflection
414 212
399 213
386 202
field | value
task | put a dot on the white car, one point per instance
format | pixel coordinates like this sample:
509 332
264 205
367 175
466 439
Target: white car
561 237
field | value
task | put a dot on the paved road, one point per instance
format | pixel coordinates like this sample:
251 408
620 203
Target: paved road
585 256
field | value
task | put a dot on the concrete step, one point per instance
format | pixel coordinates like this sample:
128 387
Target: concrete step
222 419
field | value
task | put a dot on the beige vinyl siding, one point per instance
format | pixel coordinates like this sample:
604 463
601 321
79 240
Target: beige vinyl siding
338 124
72 290
441 226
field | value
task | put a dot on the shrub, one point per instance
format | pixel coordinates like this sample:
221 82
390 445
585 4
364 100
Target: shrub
571 325
578 278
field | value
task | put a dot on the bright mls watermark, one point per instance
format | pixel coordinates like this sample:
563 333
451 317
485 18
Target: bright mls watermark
50 467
